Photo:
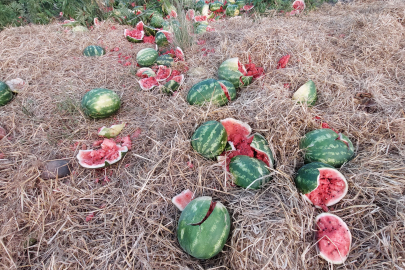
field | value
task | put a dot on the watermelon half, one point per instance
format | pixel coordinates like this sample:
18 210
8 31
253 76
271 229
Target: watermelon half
148 83
321 184
109 153
234 71
163 73
334 238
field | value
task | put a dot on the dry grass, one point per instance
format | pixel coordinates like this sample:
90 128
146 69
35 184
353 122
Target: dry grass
345 49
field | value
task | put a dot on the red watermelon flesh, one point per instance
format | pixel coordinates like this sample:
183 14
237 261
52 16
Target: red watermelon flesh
135 33
168 35
126 141
190 14
174 74
247 7
235 128
149 39
299 5
225 89
173 14
242 68
179 54
252 70
109 151
179 78
334 238
181 200
200 18
163 73
148 83
332 187
140 71
139 26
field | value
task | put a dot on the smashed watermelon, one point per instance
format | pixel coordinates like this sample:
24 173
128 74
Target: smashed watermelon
163 73
200 18
134 35
179 54
181 200
148 83
109 153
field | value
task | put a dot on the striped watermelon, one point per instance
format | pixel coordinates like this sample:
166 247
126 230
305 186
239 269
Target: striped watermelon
325 145
157 20
240 3
165 60
306 93
203 228
200 28
109 153
145 73
6 95
261 146
100 103
230 70
209 91
209 140
150 30
163 38
93 50
333 238
170 87
146 57
248 172
214 6
228 88
321 184
232 10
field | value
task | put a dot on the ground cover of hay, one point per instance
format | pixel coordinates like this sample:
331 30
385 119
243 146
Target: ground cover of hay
345 49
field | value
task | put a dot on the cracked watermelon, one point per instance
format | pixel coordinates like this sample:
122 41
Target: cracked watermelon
146 57
150 30
163 38
100 103
163 73
211 91
215 6
134 35
333 237
93 50
203 228
6 95
235 72
306 93
209 140
248 172
109 153
326 146
321 184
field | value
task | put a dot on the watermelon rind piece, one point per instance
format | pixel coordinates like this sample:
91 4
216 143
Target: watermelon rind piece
132 39
157 20
183 199
152 80
229 71
93 51
70 23
306 94
208 239
179 79
247 7
162 73
232 10
334 238
209 139
145 72
190 15
100 103
326 146
248 172
122 151
165 60
170 87
161 39
6 95
112 131
146 57
232 126
150 30
308 179
179 54
240 3
229 87
260 144
207 91
139 26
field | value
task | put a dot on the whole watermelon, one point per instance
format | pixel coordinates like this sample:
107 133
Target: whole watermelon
5 94
93 50
146 57
248 172
100 103
210 139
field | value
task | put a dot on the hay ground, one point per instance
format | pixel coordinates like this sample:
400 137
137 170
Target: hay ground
345 49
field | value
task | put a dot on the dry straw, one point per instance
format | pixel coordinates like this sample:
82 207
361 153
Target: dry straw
345 49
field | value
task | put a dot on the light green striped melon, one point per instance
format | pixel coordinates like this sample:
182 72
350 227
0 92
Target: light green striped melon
210 139
248 172
240 3
324 145
229 70
157 20
208 239
200 28
215 6
306 93
100 103
146 57
165 60
93 50
6 95
207 91
232 10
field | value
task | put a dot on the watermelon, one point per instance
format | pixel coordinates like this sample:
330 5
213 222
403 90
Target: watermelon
203 228
70 23
248 172
247 7
170 87
240 3
148 83
306 94
134 36
178 78
100 103
235 72
321 184
200 28
207 91
333 237
215 6
190 15
209 140
181 200
163 38
93 50
165 60
200 18
112 131
6 95
179 54
157 20
150 30
262 150
145 73
146 57
228 88
232 10
298 5
109 153
327 146
163 73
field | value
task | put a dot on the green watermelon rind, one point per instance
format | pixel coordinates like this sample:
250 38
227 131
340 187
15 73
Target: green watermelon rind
207 91
165 60
102 165
307 176
248 172
6 95
320 145
240 3
100 103
170 87
150 30
135 40
259 143
93 51
208 239
146 57
215 6
306 94
229 71
230 87
209 139
161 39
